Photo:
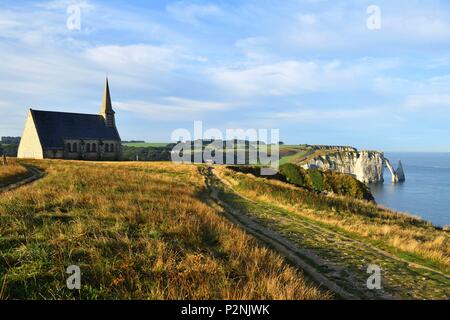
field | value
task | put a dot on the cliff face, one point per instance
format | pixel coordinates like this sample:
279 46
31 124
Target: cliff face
366 166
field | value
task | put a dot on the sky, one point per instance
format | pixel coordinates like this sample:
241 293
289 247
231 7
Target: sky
313 69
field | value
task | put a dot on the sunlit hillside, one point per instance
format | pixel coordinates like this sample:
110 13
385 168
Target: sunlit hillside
141 231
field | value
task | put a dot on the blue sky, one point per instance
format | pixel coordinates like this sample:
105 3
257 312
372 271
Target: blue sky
311 68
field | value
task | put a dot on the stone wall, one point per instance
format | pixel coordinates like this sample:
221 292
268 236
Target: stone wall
92 149
78 150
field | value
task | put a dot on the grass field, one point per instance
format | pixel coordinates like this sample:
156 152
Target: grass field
150 231
348 235
293 154
396 230
11 173
137 231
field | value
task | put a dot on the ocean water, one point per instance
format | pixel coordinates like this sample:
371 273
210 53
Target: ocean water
426 192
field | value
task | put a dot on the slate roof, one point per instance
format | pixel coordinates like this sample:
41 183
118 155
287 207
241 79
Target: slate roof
54 127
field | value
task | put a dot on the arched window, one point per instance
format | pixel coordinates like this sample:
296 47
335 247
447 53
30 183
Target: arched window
69 147
106 147
112 147
88 147
75 147
94 147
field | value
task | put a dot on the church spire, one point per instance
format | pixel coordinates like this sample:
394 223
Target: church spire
107 111
106 105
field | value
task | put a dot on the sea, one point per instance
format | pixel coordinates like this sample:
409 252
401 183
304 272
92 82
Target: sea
426 191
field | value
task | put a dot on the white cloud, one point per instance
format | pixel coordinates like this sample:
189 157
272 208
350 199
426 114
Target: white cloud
132 59
341 25
43 24
307 19
392 85
427 101
64 4
290 77
425 28
192 13
41 73
255 48
309 115
8 21
273 79
172 108
416 94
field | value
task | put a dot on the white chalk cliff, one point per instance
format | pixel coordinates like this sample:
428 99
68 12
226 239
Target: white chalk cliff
366 166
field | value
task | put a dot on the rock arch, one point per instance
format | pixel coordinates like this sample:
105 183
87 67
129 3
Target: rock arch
397 175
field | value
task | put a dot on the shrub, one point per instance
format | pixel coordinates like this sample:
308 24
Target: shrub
316 180
344 184
293 174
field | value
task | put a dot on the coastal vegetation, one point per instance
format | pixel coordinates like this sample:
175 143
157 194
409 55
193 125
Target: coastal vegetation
315 180
398 233
137 231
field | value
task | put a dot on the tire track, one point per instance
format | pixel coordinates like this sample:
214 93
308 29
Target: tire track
36 174
324 254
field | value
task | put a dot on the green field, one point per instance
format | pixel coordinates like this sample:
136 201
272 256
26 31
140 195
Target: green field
147 144
341 236
292 153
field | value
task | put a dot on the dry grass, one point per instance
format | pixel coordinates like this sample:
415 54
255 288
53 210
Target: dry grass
12 172
138 231
390 229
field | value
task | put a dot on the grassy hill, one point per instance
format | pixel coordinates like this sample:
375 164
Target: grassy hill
402 231
299 154
155 231
341 236
137 231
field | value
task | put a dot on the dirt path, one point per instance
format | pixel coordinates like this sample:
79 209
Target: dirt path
331 259
35 175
